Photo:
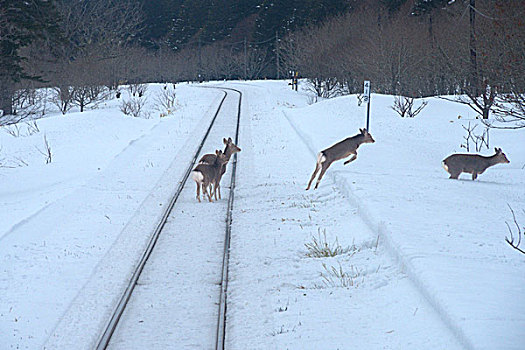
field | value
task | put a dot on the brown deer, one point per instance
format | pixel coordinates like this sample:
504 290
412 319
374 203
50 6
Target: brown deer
339 151
229 150
474 164
206 174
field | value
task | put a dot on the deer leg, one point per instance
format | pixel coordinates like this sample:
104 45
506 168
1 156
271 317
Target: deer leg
215 187
203 191
206 192
317 167
474 176
198 191
321 174
354 156
218 189
454 175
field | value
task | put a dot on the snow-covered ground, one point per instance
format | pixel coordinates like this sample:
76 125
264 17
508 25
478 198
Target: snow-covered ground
430 265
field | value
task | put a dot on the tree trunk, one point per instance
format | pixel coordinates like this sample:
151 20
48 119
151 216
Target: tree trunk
6 97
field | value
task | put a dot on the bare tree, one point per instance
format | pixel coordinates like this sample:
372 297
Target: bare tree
63 97
509 108
47 153
251 62
366 44
403 106
165 101
515 242
102 24
99 34
478 139
496 54
134 107
86 95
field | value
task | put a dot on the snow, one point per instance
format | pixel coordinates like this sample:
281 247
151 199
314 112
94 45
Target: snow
430 265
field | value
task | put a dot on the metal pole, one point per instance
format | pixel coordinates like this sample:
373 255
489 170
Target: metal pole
368 115
367 98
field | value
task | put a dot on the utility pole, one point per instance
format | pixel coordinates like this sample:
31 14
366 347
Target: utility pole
277 54
245 61
199 68
473 52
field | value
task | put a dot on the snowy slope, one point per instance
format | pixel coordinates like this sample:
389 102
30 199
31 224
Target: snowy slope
75 226
448 234
278 298
439 276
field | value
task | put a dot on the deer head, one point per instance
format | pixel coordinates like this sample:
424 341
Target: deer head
368 137
230 148
221 157
500 156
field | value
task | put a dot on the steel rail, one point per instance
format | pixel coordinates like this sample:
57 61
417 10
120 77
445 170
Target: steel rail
221 322
109 330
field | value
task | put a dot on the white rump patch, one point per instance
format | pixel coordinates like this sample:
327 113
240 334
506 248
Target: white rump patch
444 166
320 158
197 176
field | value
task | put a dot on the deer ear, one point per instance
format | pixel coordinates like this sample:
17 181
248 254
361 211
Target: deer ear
225 141
229 139
498 150
360 130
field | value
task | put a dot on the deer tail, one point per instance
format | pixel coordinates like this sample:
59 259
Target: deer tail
320 158
197 176
444 164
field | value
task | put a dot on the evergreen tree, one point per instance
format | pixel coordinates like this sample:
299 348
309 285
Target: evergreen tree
424 7
283 16
207 21
159 16
21 22
394 5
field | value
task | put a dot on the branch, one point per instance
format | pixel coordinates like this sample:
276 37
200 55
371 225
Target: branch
511 240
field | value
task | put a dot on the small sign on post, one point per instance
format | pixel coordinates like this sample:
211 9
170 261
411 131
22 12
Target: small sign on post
294 75
366 99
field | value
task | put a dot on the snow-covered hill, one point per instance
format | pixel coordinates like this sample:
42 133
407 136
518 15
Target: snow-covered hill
430 265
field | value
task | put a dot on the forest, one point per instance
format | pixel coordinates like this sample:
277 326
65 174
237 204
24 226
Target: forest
83 50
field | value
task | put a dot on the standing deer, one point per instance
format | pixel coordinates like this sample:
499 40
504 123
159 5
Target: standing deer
339 151
474 164
206 174
229 150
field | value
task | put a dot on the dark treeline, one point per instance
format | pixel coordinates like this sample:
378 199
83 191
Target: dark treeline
409 47
433 48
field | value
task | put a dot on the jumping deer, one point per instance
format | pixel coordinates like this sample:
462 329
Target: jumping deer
205 175
474 164
339 151
229 149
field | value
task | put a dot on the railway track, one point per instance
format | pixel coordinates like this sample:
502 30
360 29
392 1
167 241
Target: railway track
165 227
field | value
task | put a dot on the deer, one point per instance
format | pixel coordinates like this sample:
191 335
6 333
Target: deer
340 150
229 149
474 164
205 175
